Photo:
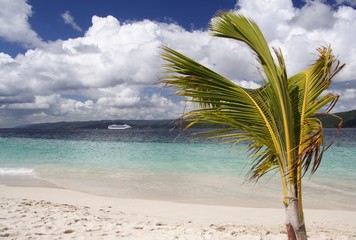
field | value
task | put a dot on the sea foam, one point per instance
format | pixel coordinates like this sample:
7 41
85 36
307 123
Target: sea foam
17 171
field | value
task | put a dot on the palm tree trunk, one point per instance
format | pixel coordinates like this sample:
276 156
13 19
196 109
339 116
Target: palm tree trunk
294 222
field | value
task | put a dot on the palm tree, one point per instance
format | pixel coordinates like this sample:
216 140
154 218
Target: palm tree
276 119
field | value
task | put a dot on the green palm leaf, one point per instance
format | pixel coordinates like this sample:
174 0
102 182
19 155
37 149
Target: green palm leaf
277 119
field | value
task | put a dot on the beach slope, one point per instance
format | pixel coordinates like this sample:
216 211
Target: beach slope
54 213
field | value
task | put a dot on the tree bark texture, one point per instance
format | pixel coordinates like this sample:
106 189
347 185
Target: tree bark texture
295 225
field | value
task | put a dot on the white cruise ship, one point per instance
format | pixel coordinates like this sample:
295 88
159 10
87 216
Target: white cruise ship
119 127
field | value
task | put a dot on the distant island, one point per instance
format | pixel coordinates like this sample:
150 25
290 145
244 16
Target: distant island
328 122
102 124
349 120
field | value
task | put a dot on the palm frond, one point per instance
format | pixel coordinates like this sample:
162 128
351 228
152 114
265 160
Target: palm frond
219 100
277 118
278 109
305 89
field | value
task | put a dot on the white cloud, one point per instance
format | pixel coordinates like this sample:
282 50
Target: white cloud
14 25
271 16
38 103
314 15
350 2
119 97
349 94
5 59
112 70
299 31
69 19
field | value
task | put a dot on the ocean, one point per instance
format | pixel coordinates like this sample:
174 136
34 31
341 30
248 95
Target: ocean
166 165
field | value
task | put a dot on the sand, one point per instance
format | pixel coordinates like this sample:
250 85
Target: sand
54 213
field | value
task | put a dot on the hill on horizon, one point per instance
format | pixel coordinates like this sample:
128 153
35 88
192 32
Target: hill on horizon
349 121
101 124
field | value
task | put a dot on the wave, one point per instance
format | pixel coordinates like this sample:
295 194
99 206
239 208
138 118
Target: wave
17 172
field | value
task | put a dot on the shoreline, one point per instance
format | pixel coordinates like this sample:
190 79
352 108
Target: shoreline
57 213
206 189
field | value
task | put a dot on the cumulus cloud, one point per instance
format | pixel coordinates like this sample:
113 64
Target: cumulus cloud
14 26
298 31
112 70
69 19
349 2
314 15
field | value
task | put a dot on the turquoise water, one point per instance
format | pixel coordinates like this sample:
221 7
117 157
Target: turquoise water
155 164
110 156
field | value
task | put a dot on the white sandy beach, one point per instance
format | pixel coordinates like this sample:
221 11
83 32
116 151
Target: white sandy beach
53 213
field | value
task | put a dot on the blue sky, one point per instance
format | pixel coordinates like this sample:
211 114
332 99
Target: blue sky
64 60
46 17
47 22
